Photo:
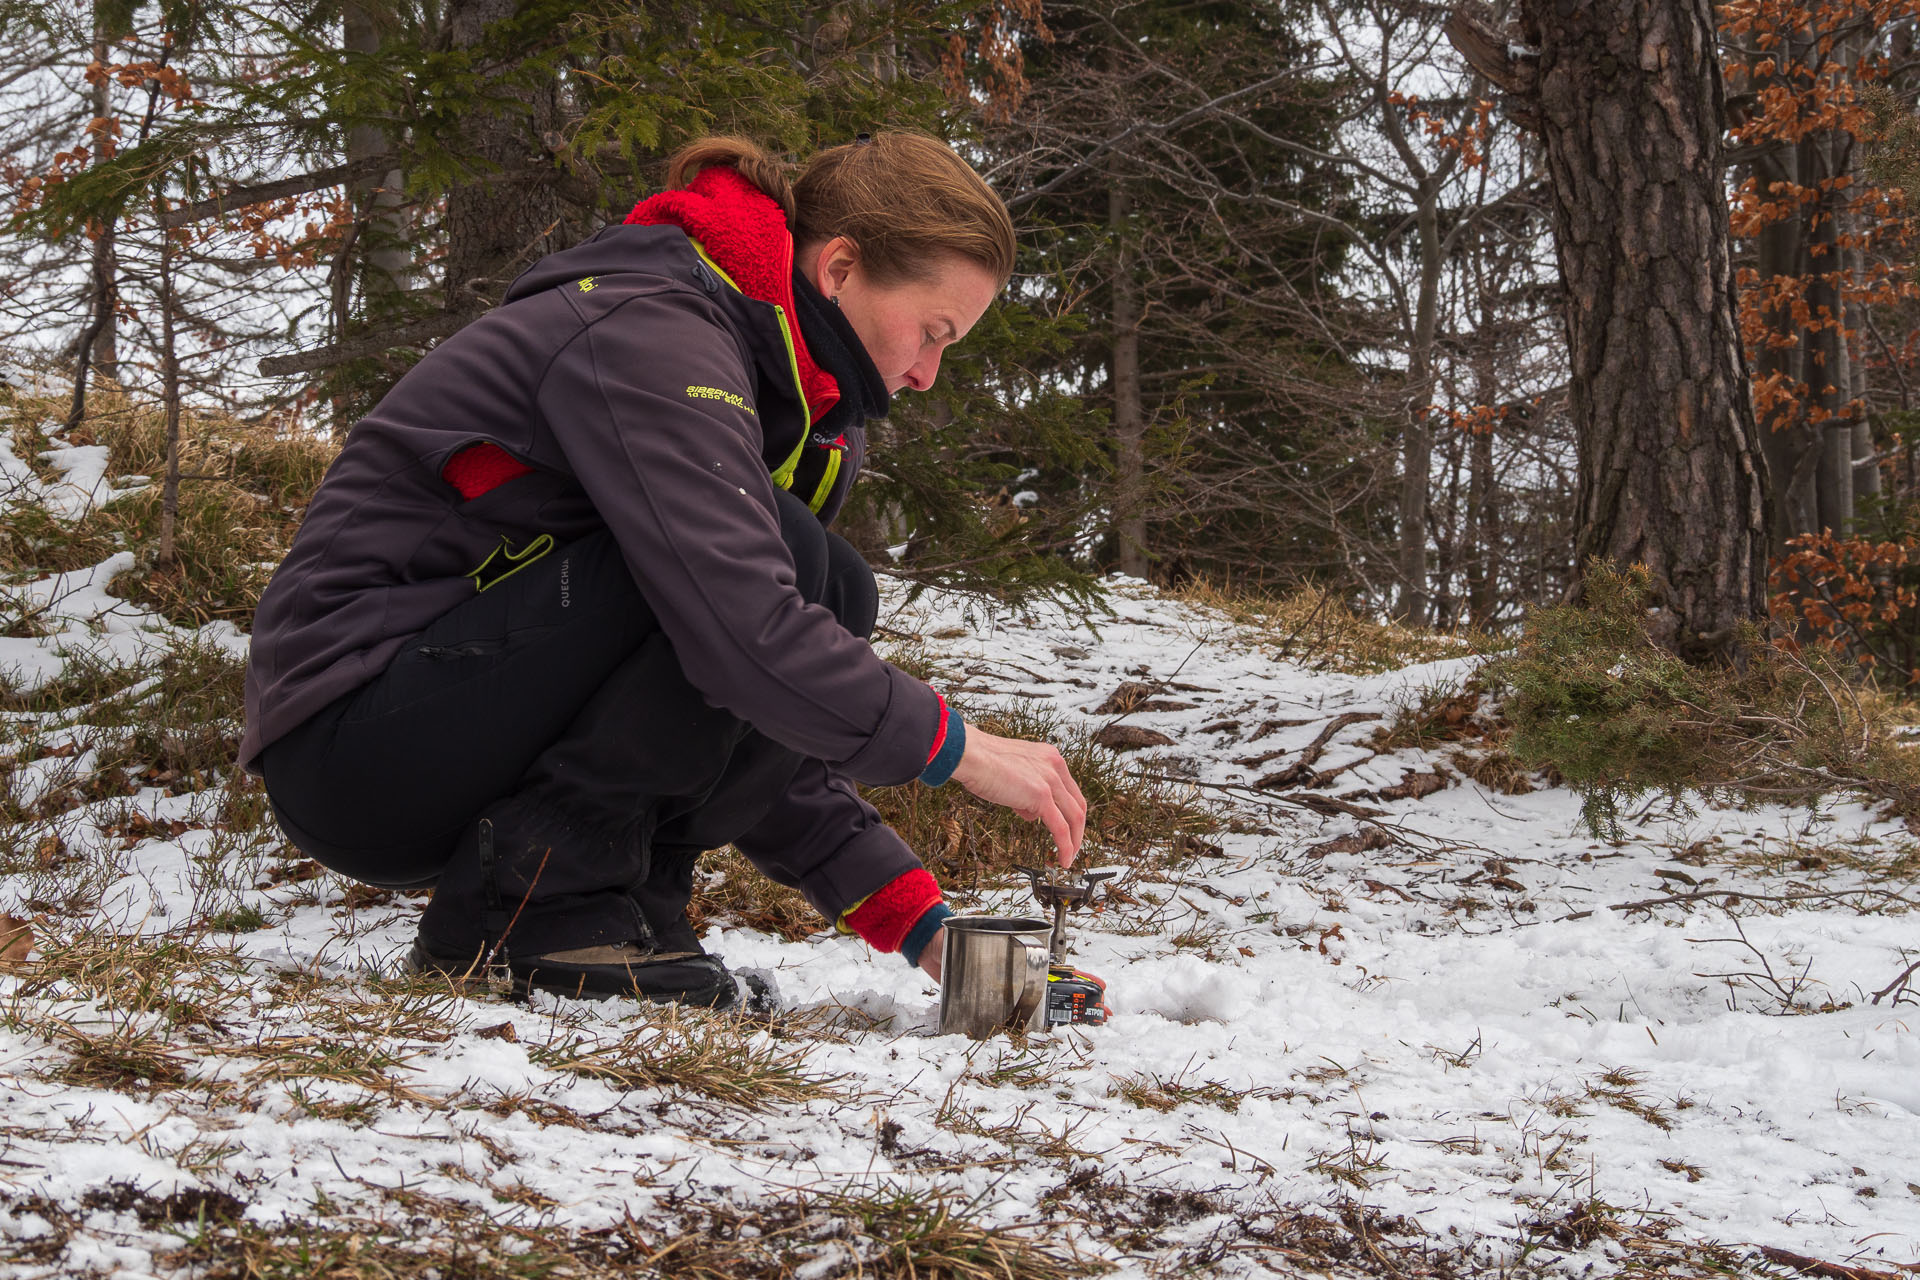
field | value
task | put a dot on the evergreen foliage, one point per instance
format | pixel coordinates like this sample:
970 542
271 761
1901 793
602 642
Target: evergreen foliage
1282 310
1163 161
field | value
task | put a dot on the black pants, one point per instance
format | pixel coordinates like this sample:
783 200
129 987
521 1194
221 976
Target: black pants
554 703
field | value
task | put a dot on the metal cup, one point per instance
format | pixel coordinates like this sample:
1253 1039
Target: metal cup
993 975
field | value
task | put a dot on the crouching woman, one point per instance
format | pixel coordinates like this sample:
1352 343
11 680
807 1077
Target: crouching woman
566 612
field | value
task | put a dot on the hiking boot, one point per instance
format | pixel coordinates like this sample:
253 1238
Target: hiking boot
663 897
592 973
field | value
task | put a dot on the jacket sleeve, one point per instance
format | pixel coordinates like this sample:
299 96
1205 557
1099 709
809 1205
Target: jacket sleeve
824 840
652 404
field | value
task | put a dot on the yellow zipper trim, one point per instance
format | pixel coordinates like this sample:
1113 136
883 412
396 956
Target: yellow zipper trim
783 474
826 483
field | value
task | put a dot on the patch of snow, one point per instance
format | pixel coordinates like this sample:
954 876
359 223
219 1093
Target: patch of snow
1473 1026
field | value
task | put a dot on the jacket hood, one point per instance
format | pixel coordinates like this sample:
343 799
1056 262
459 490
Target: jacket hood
744 232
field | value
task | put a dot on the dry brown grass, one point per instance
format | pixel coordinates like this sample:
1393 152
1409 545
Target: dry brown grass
970 845
722 1058
1462 719
1318 631
243 490
734 890
885 1233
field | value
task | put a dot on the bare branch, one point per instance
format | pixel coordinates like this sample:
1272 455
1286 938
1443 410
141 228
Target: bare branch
239 197
326 357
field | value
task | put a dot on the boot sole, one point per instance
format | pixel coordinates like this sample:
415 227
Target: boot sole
469 979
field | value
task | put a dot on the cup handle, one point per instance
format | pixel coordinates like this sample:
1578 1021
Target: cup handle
1033 992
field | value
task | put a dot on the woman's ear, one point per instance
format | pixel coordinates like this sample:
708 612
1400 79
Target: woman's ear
834 264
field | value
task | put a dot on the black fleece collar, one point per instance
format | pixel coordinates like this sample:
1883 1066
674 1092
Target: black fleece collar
838 350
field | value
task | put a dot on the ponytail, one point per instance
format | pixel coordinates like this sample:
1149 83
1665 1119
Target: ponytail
904 199
752 163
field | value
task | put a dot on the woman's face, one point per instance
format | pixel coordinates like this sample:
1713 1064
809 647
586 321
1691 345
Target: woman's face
906 326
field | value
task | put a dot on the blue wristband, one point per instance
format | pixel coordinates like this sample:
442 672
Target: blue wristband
947 758
922 933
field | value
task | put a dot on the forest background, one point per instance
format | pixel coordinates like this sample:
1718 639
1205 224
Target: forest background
1301 301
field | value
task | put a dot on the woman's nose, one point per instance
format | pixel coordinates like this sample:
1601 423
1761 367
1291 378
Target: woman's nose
924 371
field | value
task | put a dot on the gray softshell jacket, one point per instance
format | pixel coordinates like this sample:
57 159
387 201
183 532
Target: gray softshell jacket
652 398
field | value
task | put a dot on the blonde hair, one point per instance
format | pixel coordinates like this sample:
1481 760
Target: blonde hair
904 200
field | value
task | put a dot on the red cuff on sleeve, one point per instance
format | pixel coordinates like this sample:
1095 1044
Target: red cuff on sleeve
940 733
886 917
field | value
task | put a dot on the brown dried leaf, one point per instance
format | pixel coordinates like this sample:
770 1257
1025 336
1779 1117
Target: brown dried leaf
1416 785
1354 842
1124 699
1128 737
16 940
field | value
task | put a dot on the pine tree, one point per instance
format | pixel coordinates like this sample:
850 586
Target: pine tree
380 169
1164 156
1671 473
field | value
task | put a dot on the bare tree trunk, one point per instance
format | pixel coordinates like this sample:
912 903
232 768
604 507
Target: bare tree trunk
106 260
373 266
99 345
170 398
1866 469
1483 578
1416 449
1671 474
1129 417
1448 532
387 263
1824 157
1482 538
506 216
1791 445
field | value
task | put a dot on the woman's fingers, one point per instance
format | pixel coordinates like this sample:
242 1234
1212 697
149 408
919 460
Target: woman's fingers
1064 842
1076 810
1032 779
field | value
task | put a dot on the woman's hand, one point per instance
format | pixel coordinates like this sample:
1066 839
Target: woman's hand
1029 778
931 954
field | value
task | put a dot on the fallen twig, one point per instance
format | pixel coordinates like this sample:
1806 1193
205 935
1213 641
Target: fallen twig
1898 985
1806 1266
1302 769
1726 898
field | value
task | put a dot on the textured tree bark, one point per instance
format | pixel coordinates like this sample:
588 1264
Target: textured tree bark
1482 537
1129 419
508 214
1483 577
98 348
170 397
1671 475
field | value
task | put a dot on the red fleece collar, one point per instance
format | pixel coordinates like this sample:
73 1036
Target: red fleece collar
743 230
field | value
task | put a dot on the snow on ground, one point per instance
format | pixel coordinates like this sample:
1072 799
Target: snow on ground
1470 1028
68 613
81 484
